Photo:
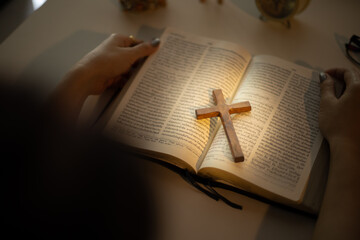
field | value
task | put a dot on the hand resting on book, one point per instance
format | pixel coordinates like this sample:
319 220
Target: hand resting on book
339 120
101 68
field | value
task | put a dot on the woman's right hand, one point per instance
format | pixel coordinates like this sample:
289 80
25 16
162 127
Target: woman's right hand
339 121
339 117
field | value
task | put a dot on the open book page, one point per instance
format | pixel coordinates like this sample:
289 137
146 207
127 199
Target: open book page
157 113
280 137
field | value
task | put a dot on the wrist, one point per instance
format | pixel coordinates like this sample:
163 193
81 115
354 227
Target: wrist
345 154
69 96
75 82
348 143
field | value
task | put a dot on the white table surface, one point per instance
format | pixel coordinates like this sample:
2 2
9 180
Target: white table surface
44 47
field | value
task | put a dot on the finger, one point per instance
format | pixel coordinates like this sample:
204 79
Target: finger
327 90
351 76
357 73
134 41
123 41
129 42
144 49
118 82
336 72
344 79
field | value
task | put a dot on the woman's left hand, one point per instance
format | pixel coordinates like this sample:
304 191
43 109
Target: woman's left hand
103 67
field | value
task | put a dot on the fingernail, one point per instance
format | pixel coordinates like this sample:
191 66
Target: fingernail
322 76
155 42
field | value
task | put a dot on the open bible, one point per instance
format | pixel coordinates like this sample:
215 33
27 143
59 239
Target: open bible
280 137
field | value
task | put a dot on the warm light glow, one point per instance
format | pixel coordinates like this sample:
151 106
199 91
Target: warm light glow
37 3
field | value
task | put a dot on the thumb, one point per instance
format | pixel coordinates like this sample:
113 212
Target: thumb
327 90
145 49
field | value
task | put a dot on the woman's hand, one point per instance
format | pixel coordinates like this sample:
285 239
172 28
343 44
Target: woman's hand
105 65
340 124
94 73
339 117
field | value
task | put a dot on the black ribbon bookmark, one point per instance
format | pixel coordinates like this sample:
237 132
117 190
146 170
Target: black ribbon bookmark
206 188
207 185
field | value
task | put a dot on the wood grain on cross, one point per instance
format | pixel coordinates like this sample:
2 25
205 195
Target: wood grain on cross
223 110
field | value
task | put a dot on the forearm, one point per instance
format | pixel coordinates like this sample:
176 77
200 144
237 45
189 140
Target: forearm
340 213
68 98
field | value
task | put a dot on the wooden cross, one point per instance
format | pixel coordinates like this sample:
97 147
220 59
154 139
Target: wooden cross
224 111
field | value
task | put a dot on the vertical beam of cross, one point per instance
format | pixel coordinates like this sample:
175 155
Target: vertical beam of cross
223 111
